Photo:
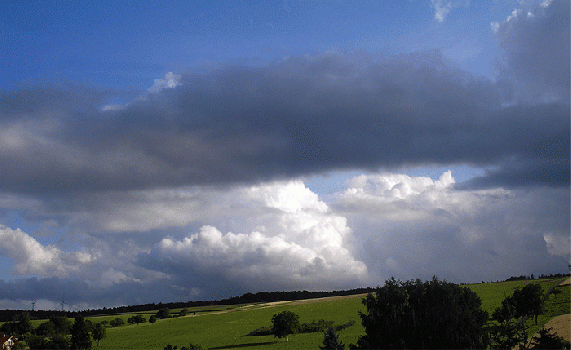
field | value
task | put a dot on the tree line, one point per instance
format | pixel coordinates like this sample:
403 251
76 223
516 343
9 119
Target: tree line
247 298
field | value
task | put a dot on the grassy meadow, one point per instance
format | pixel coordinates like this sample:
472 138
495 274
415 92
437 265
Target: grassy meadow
557 303
225 327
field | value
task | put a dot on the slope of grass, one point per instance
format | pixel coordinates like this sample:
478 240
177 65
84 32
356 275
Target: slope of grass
226 326
557 303
492 294
228 330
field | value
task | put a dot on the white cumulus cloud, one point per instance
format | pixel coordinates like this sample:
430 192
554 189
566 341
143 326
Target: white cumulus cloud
417 227
295 240
31 257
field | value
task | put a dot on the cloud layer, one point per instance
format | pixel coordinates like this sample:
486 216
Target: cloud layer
197 188
296 117
281 236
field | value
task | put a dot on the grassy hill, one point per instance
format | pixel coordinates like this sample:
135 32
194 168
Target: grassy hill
225 327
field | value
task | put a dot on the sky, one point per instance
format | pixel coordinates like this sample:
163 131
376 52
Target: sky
165 151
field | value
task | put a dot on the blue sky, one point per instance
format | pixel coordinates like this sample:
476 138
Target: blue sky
122 44
199 150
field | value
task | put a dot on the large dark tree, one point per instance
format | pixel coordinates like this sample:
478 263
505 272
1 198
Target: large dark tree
508 332
528 300
80 338
284 324
510 329
423 315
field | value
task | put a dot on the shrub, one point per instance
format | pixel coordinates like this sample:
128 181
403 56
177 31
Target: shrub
117 322
331 342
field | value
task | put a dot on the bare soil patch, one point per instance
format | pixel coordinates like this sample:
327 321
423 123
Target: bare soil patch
567 282
561 325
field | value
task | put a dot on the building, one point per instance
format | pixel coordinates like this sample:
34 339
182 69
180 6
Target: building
7 342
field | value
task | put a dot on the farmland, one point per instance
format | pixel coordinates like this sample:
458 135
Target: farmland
226 327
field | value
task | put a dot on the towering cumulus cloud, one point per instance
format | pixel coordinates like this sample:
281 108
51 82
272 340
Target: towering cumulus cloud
292 240
414 226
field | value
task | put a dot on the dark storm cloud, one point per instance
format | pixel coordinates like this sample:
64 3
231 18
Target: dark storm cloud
296 117
535 43
78 295
305 115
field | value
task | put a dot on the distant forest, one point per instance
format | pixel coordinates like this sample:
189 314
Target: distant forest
248 298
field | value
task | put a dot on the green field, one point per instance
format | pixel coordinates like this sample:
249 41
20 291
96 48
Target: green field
226 330
557 303
492 294
225 327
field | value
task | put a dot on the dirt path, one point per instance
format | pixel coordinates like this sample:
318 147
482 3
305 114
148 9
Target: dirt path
306 301
275 303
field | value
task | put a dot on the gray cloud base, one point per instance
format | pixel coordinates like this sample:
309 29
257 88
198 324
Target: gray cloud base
297 117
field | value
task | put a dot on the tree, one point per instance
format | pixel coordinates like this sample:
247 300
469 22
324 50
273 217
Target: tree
80 338
61 324
99 332
137 319
163 313
19 327
284 324
417 315
23 323
152 319
331 342
508 332
528 301
510 316
60 341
